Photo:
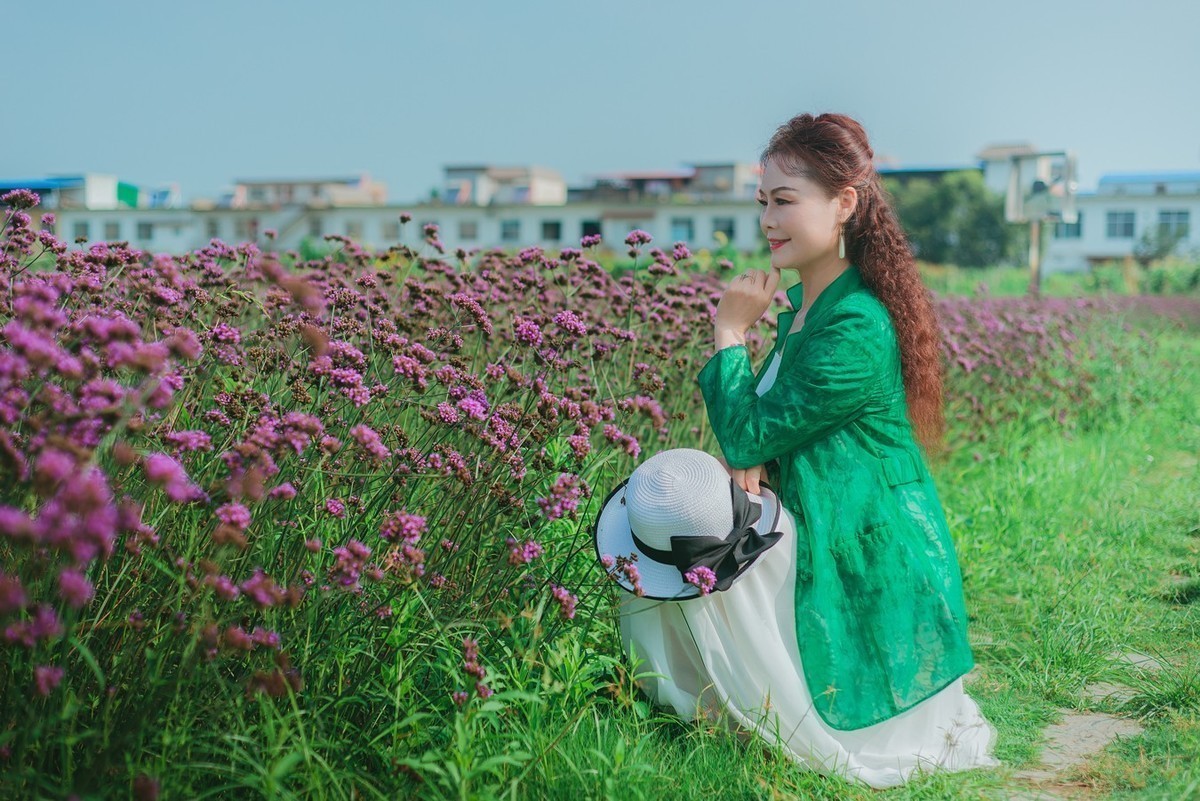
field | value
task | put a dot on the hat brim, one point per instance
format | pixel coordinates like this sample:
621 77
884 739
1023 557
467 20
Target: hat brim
613 537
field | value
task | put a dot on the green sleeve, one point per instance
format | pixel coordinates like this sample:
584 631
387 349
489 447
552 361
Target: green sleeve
828 385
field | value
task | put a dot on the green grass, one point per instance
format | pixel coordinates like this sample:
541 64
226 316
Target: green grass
1068 542
1075 543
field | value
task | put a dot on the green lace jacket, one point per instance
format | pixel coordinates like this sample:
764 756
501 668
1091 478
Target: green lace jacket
880 617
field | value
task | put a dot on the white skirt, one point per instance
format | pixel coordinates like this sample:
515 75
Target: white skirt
733 656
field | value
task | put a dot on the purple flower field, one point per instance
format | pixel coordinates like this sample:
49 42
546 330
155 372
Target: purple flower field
244 477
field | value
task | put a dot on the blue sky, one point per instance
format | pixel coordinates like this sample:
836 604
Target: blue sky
203 93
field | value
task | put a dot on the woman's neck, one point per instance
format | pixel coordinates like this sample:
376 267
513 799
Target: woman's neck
817 277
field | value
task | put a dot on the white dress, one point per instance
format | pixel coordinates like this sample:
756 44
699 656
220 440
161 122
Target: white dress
732 656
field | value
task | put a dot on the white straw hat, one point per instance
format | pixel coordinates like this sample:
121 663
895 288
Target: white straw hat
679 510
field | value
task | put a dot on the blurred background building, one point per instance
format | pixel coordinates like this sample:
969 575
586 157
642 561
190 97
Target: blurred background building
487 206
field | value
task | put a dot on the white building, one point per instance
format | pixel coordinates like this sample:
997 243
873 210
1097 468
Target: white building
510 207
358 190
482 185
1124 208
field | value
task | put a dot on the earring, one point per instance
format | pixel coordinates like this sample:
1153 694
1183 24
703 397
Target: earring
841 244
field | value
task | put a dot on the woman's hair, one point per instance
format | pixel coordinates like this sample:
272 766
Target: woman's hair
833 149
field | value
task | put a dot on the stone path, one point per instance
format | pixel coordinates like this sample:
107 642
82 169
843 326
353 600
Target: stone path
1080 735
1076 737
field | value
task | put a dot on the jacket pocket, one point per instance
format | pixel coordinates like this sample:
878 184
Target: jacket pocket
901 468
870 559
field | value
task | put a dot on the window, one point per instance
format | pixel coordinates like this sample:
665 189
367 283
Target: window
510 230
145 231
1174 222
391 231
240 229
112 230
257 194
354 229
81 230
551 230
1069 230
683 229
1120 225
468 230
212 228
590 228
316 227
723 226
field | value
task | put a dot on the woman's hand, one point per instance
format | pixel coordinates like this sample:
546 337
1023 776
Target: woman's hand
745 300
746 479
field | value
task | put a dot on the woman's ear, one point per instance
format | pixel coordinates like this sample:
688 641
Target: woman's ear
847 203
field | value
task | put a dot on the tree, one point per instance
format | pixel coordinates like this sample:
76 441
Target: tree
1156 243
954 220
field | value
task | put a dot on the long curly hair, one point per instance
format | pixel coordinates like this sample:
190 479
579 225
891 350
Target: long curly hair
833 148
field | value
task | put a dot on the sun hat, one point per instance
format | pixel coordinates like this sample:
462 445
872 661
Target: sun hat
679 511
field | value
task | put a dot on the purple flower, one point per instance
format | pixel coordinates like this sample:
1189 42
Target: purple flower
349 563
637 237
447 413
20 199
581 445
370 441
634 577
475 405
75 588
162 469
54 466
222 332
589 241
472 307
566 601
523 553
402 526
564 496
189 440
235 515
335 507
528 332
223 587
701 577
262 589
12 595
46 678
568 321
284 492
235 637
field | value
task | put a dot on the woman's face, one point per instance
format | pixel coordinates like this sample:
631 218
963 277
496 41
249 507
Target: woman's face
798 219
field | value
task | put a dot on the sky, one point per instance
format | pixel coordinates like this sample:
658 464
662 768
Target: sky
202 94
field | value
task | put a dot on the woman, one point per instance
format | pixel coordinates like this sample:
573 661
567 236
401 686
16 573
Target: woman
870 610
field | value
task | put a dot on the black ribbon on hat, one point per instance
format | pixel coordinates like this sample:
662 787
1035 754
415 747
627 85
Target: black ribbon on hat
726 557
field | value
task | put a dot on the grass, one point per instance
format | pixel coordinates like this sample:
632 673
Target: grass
1072 546
1076 544
1068 545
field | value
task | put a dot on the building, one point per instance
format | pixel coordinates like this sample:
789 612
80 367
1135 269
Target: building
484 185
93 191
357 190
702 205
1124 208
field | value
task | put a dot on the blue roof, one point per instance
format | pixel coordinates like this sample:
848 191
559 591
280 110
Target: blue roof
44 184
1149 177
